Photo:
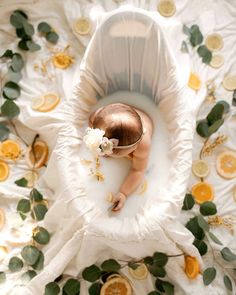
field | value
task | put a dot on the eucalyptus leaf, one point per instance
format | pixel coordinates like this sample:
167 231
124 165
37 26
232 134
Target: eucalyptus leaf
71 287
91 273
215 126
11 90
14 76
201 246
38 265
8 54
203 128
2 277
52 37
188 202
44 27
22 13
30 254
28 276
52 288
21 33
40 210
35 195
15 264
196 35
148 260
228 283
153 293
160 258
227 254
21 182
208 208
186 30
184 47
215 114
22 215
23 206
209 275
29 29
17 19
95 288
22 44
234 98
32 46
214 238
193 226
17 62
169 288
41 235
110 265
202 223
157 271
225 105
4 131
205 54
133 265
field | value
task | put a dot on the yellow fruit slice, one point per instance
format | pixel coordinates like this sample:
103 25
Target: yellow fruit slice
10 149
234 194
194 81
40 155
51 100
143 187
192 268
116 286
214 42
2 218
226 164
82 26
4 170
217 61
140 273
200 168
31 177
109 198
37 103
166 8
229 83
3 252
62 60
202 192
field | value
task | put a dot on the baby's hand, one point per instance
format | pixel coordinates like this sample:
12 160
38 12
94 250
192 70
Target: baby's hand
119 199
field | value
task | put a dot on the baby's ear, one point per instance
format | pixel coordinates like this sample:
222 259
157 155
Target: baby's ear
115 141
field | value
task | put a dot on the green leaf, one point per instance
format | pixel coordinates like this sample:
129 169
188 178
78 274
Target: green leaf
40 210
95 288
21 182
22 13
110 265
196 36
169 288
214 238
104 275
23 206
188 202
4 131
215 126
208 208
41 235
52 37
215 114
52 288
14 76
2 277
38 265
209 275
23 216
11 90
157 271
71 287
30 254
193 226
17 19
225 105
202 223
184 47
44 27
228 283
15 264
133 265
186 31
205 53
234 98
203 128
8 54
91 273
21 33
27 276
22 44
32 46
17 63
148 260
29 29
160 258
35 195
201 246
227 254
154 293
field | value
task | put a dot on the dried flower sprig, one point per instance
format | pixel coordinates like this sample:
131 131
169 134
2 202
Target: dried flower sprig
227 222
210 146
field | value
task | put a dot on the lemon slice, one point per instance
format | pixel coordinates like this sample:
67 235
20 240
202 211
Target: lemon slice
37 103
229 83
51 100
3 252
214 42
31 177
226 164
2 218
140 273
217 61
109 198
166 8
82 26
200 168
194 81
10 149
40 155
4 171
143 187
234 194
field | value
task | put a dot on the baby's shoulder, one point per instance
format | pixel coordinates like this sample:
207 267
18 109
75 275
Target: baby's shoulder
144 146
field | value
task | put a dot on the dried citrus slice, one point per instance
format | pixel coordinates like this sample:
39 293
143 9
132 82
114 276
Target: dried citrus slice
194 81
143 187
3 252
116 286
62 60
40 155
217 61
82 26
4 170
191 267
166 7
31 177
226 164
214 42
140 273
200 168
10 149
202 192
229 83
109 198
234 194
37 103
2 218
51 100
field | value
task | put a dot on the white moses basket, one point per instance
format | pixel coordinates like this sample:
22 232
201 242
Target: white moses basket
128 52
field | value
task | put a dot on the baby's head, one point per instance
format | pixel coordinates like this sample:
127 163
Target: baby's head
121 122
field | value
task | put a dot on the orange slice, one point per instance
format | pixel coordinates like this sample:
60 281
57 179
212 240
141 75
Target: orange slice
116 286
140 273
3 252
4 170
191 267
202 192
10 149
194 81
40 155
82 26
62 60
2 218
166 8
226 164
51 100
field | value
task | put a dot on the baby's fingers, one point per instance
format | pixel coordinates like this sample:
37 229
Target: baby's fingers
118 206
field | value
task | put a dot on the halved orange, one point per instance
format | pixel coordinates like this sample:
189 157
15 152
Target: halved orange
194 81
116 286
39 157
10 149
202 192
4 170
2 218
226 164
191 267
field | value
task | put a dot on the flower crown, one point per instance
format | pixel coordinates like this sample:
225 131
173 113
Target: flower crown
100 145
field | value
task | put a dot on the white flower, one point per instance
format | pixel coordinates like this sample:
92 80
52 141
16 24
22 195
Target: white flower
106 146
93 139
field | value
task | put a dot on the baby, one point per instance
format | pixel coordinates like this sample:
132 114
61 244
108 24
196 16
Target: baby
127 133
